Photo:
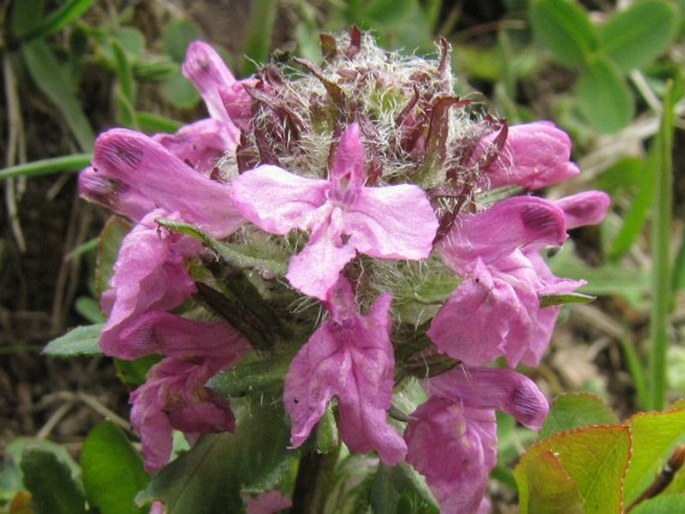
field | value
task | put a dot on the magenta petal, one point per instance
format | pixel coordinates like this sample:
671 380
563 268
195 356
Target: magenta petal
493 388
587 208
317 267
137 162
352 360
393 222
278 201
206 69
518 222
347 175
109 192
455 448
175 396
201 144
535 155
174 386
489 315
171 335
149 275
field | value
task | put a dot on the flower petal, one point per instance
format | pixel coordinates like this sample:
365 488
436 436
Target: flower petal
139 163
352 360
493 388
455 448
206 69
392 222
278 201
535 155
587 208
518 222
149 275
201 144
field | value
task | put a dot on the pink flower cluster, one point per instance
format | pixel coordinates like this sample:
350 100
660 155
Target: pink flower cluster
346 215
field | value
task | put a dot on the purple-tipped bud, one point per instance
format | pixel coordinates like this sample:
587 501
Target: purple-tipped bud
494 388
587 208
535 155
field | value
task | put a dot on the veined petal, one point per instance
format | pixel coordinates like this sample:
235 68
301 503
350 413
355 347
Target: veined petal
149 275
587 208
278 201
206 69
175 397
201 144
535 155
347 175
518 222
139 163
352 360
493 388
316 269
491 314
455 448
394 222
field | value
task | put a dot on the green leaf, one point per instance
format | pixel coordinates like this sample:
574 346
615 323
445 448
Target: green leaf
177 36
562 299
564 27
78 341
112 471
250 377
181 92
602 280
575 410
52 487
48 75
536 496
233 254
386 12
133 373
604 97
56 20
112 235
654 436
259 34
399 489
211 476
595 458
636 36
662 504
24 15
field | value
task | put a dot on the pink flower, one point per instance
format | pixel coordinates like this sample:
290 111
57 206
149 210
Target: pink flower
149 275
134 174
520 222
350 357
535 155
452 438
174 395
493 388
343 216
455 448
201 145
587 208
496 310
225 97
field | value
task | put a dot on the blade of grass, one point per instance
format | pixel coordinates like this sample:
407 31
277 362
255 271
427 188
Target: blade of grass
49 77
662 297
58 19
258 41
47 166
